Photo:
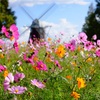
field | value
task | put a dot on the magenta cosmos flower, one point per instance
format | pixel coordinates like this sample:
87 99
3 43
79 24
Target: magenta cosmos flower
71 46
2 68
41 66
17 89
82 37
98 52
37 83
28 59
18 76
15 45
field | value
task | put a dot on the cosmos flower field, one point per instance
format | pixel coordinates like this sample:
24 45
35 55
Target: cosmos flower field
49 70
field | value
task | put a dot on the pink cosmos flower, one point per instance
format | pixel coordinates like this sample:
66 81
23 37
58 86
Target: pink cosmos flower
15 45
6 85
31 41
16 35
98 42
19 63
18 76
70 47
88 45
94 37
13 28
57 64
28 59
14 31
82 37
4 30
98 52
37 83
2 68
17 89
9 79
1 42
41 66
73 42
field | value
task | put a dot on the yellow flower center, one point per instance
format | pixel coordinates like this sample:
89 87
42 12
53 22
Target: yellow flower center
16 90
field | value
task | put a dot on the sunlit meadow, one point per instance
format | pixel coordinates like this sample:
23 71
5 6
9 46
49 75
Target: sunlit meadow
49 70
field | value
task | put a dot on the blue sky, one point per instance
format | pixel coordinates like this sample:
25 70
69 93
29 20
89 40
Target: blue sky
67 16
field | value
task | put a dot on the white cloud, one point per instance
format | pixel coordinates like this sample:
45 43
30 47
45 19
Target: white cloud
34 2
68 29
24 34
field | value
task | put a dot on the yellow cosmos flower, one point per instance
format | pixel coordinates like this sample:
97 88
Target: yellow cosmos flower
23 43
60 51
75 95
74 63
89 60
81 83
92 71
20 68
1 55
48 59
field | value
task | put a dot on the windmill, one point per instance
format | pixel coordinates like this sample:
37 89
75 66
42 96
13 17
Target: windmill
36 31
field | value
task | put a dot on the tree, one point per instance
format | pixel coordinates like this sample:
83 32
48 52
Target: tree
6 14
92 21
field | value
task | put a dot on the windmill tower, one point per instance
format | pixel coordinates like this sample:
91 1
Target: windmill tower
36 31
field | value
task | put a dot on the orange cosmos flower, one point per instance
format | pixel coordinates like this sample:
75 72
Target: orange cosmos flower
35 58
5 73
81 83
0 47
49 39
69 77
79 48
75 95
11 38
34 66
60 51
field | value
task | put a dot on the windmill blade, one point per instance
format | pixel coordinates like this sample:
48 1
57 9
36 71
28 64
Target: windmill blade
46 11
25 31
26 12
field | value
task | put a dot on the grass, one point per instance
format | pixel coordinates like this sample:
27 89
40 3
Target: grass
59 82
